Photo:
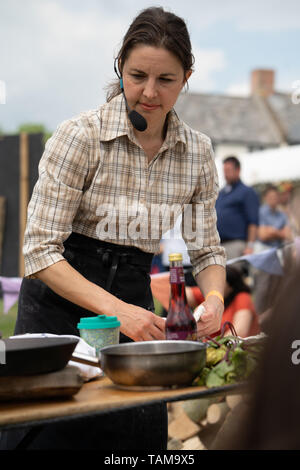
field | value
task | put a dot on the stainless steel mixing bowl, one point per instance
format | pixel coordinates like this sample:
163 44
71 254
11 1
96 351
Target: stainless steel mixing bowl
153 363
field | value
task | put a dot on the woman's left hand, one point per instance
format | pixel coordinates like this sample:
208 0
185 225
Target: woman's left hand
210 320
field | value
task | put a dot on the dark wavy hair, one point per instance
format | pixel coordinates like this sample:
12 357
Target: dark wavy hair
235 279
158 28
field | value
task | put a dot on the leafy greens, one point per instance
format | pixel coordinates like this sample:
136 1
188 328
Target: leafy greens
229 359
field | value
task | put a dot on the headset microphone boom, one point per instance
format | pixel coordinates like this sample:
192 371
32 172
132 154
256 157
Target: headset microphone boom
137 120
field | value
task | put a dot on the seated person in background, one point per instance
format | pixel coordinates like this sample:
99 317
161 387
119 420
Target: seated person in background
273 228
239 309
273 232
289 198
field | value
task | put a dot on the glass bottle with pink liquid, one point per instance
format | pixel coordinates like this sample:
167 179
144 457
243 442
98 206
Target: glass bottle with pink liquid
180 323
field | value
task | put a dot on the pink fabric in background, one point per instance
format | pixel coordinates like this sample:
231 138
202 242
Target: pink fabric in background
10 287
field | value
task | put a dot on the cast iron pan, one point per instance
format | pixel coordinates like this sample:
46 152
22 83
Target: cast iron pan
32 356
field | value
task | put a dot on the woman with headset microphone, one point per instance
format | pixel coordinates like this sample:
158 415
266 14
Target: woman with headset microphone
131 152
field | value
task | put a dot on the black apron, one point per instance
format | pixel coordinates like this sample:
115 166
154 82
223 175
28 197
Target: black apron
123 271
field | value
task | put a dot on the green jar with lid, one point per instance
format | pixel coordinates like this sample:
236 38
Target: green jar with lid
100 331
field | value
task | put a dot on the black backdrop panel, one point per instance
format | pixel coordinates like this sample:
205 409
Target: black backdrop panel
10 189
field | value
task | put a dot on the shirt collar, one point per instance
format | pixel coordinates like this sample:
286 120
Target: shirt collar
115 123
236 183
270 210
175 132
114 119
229 187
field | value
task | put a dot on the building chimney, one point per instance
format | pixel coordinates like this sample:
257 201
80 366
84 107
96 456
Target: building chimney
262 82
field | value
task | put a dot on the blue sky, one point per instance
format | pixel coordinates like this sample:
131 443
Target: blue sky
56 56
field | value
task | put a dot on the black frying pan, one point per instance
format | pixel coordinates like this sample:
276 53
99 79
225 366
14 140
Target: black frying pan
31 356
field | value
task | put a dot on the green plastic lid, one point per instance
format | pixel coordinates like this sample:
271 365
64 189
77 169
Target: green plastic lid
100 321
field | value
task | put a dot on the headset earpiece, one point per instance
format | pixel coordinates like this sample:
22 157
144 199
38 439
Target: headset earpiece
137 120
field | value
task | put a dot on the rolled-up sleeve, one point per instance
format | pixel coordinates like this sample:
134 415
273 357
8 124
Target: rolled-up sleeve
203 242
56 197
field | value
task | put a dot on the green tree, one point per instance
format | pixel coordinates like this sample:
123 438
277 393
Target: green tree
34 128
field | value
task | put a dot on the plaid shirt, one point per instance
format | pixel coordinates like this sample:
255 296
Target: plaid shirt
94 175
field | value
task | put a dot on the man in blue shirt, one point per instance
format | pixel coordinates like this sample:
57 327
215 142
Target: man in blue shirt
237 210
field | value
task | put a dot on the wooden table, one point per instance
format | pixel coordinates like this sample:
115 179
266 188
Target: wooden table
96 397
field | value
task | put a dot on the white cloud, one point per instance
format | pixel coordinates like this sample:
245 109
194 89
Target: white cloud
286 84
250 15
56 61
243 88
239 89
268 15
57 55
207 63
246 15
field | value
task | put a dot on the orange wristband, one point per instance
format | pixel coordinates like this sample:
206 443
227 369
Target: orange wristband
215 292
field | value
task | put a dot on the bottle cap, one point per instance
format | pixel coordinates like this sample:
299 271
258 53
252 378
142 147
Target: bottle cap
175 257
98 322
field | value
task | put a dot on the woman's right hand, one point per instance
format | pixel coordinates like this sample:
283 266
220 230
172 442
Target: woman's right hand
140 324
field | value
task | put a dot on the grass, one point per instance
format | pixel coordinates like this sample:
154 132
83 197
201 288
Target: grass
7 320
